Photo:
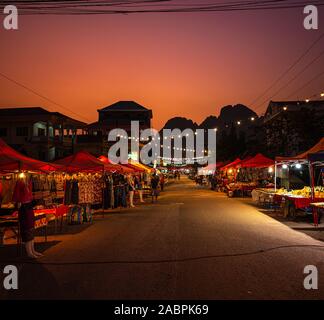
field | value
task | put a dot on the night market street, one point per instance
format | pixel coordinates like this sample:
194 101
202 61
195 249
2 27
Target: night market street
193 244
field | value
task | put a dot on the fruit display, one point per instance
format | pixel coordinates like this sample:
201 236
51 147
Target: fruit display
306 192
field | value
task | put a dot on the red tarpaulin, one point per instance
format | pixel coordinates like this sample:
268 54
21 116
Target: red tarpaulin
82 161
213 166
11 160
117 167
319 147
232 164
133 167
259 161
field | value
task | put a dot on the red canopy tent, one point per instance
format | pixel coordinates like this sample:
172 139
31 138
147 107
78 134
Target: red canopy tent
82 161
319 147
11 161
233 164
116 167
312 157
259 161
133 167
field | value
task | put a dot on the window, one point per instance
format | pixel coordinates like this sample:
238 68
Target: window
41 132
3 132
22 131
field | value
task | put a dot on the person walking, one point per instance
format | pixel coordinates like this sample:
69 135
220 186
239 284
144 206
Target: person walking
154 186
139 188
162 181
131 188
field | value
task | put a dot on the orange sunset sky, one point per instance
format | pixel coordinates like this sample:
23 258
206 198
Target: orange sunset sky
177 64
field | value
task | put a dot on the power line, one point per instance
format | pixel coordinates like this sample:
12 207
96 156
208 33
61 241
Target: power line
77 7
42 96
291 80
289 69
306 84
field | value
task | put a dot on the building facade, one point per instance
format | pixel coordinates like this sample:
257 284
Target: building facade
118 115
39 133
292 127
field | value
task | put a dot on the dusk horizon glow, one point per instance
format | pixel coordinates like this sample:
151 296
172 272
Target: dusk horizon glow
177 64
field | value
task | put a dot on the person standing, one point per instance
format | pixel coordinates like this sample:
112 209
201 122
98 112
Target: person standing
23 198
154 186
139 188
162 182
131 188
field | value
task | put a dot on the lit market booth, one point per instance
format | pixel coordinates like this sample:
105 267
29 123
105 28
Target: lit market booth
251 173
228 174
136 171
17 169
88 185
309 164
210 169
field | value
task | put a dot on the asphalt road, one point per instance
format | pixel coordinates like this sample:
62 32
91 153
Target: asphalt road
193 244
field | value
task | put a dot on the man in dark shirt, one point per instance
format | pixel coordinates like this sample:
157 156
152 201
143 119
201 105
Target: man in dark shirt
154 186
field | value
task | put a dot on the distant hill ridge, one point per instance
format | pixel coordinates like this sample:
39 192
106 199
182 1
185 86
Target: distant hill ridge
228 115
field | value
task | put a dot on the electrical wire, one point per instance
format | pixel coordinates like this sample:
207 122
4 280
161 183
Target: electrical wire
291 80
42 96
300 58
169 7
208 257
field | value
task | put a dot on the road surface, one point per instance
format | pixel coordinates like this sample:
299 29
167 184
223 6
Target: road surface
193 244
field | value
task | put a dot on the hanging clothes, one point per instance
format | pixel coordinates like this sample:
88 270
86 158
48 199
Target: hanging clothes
75 191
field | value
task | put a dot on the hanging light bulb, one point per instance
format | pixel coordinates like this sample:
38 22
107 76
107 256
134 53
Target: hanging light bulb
284 166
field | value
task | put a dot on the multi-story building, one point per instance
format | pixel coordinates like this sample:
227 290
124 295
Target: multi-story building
118 115
292 127
39 133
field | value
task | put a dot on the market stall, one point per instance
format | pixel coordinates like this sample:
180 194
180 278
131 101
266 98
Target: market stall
16 169
251 173
311 162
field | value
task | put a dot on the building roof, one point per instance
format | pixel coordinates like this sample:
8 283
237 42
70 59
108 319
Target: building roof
277 107
24 111
37 112
125 106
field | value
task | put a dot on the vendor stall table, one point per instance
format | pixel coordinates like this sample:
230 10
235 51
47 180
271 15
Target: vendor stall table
294 202
318 209
11 222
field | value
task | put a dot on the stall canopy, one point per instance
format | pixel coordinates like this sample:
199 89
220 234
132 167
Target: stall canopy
141 166
233 164
11 161
117 167
318 148
210 168
82 161
259 161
